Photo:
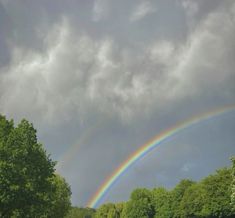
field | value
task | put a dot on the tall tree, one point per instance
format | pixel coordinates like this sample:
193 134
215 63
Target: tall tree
26 172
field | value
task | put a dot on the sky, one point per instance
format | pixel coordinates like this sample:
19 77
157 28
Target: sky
99 78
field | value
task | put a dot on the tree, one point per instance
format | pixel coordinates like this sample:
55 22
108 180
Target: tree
233 185
162 203
107 211
192 202
141 205
119 208
26 172
210 197
218 193
113 213
5 128
60 198
177 195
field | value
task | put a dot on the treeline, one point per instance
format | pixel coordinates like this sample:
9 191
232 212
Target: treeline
30 188
212 197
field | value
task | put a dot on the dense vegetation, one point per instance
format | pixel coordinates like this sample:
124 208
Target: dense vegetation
212 197
30 188
209 198
76 212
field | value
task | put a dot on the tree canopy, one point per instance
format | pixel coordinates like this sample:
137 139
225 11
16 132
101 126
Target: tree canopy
212 197
28 185
162 202
60 198
140 205
76 212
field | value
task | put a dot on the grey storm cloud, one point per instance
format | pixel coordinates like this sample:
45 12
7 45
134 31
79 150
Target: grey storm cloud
69 65
76 72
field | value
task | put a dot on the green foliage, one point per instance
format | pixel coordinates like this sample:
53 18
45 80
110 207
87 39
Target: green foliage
119 208
60 198
141 205
5 128
177 195
162 203
113 213
218 192
192 203
28 186
108 210
210 197
76 212
233 185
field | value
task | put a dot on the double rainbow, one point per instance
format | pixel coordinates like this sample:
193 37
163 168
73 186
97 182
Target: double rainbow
148 147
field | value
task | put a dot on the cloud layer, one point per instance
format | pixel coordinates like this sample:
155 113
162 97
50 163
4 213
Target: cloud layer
76 73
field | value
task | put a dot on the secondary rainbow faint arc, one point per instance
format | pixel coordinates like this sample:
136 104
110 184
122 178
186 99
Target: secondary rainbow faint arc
85 136
148 147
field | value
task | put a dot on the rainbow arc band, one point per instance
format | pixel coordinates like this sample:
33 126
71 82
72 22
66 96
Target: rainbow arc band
148 147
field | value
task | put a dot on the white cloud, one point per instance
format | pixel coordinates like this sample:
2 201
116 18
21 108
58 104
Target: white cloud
143 9
203 63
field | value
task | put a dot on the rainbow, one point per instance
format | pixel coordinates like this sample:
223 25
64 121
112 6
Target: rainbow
85 137
148 147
